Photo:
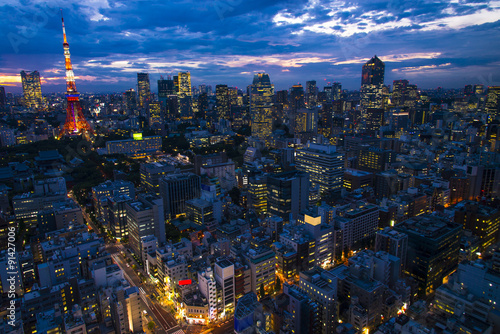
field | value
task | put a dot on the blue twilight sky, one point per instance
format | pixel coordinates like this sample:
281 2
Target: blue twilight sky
430 43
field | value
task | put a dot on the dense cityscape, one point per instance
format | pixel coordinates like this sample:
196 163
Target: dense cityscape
215 209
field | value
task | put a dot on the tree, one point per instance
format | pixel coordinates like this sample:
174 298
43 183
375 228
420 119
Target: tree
151 325
262 291
278 284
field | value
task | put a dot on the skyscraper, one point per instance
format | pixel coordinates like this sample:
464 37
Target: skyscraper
493 101
222 101
297 97
144 89
373 72
32 89
311 93
165 89
3 98
184 94
130 101
261 101
372 83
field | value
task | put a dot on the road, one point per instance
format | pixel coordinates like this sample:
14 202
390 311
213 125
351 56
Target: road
162 317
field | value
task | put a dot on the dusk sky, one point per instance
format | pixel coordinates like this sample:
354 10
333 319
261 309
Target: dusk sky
430 43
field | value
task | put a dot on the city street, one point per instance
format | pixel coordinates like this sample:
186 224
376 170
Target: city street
161 316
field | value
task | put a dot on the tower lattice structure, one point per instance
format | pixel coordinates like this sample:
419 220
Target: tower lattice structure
76 123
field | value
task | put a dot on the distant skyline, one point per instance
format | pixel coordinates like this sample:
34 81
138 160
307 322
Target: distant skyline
445 43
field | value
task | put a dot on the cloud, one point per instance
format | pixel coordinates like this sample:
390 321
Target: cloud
292 40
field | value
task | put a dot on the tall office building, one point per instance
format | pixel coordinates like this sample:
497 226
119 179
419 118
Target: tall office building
3 98
130 99
311 93
165 89
433 250
184 94
372 83
155 115
297 100
144 218
373 72
399 91
202 103
324 165
288 193
117 215
493 101
261 101
32 89
143 89
222 101
176 189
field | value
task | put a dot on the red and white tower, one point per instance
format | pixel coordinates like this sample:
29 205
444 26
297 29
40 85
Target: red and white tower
75 124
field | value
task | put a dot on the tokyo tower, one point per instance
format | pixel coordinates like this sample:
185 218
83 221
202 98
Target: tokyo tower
76 123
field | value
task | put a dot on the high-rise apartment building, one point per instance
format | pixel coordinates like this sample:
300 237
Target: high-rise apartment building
261 101
32 89
143 89
323 164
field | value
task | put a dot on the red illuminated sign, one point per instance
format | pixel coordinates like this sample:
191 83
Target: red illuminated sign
185 282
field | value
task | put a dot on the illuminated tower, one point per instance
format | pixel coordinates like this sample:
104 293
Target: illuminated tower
261 101
32 89
75 121
143 89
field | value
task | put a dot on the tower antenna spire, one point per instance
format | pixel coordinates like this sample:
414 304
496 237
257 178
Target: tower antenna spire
75 121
